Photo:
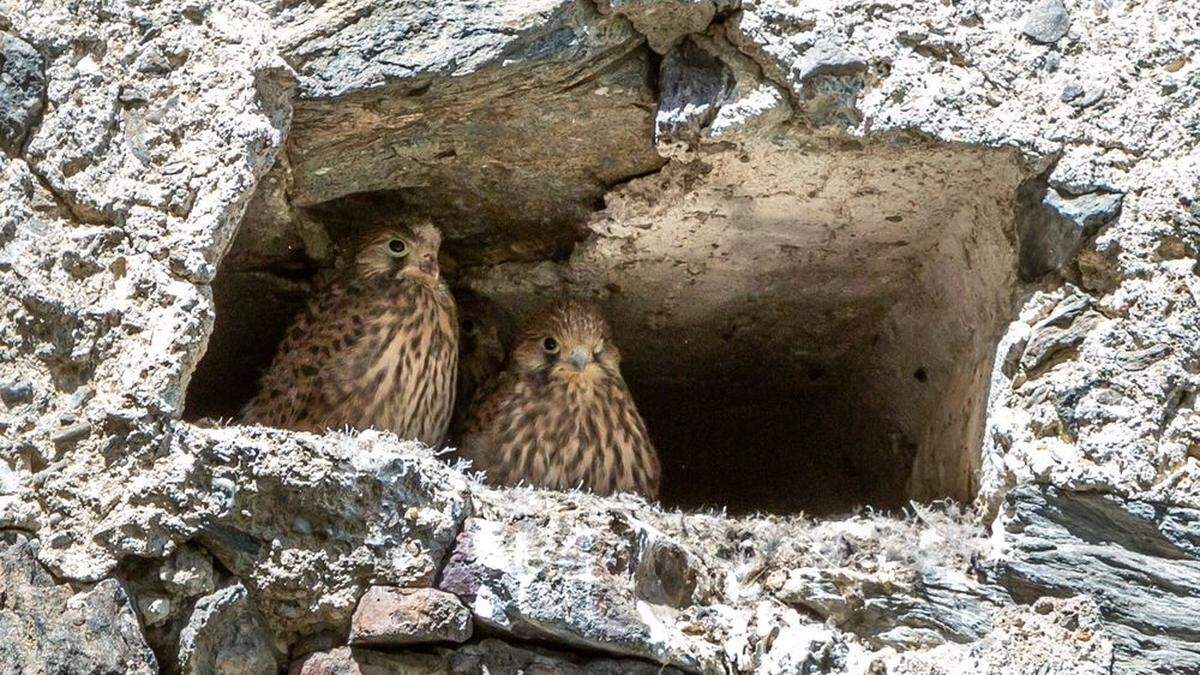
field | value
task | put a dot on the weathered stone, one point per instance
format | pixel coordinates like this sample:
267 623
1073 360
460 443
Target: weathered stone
225 635
1051 637
1047 22
614 584
22 91
693 85
399 101
16 393
1140 562
373 511
1068 324
47 627
666 23
1052 232
189 572
826 58
487 656
402 616
929 609
839 246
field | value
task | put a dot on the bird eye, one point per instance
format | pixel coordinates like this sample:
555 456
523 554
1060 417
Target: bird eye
469 327
397 247
550 345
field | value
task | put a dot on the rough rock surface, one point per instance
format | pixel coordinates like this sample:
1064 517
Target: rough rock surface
1139 561
962 238
48 627
401 616
487 656
225 635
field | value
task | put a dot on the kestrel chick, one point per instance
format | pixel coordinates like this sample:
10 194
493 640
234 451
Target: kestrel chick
485 334
377 348
561 415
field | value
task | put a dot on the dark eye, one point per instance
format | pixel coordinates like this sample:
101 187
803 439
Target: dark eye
550 345
469 327
397 247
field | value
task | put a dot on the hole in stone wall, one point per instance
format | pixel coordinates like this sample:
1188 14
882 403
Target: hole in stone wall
805 326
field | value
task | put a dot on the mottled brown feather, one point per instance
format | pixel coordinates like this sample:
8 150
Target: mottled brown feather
486 334
550 423
377 348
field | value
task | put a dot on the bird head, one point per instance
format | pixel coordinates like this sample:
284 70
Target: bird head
485 328
403 251
569 340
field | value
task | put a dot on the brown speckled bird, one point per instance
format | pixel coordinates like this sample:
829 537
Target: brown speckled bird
560 415
485 335
377 348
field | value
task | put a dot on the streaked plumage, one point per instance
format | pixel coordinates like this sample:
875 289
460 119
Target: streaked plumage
561 415
484 339
376 348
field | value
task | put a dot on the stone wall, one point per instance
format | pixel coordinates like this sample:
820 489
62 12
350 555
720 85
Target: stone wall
900 251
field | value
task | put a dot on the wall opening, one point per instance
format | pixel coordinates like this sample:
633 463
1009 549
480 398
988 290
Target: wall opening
806 326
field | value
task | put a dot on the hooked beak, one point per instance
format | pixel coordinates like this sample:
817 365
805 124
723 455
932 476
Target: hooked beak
579 358
429 265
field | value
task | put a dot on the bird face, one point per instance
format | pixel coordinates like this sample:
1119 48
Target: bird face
485 328
403 251
569 341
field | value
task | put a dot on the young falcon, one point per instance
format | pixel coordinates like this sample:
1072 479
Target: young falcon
485 334
376 348
560 415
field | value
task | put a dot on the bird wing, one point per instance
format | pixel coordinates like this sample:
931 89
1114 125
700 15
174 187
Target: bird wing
314 364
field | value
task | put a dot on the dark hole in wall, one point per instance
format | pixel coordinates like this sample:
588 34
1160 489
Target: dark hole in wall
750 446
853 373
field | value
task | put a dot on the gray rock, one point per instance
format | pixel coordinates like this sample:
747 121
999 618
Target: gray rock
188 573
826 58
376 512
1139 560
607 566
1053 226
1050 636
1089 98
403 616
48 627
71 434
1071 92
883 179
693 85
22 91
455 68
1047 22
225 635
665 24
1064 329
931 608
486 656
155 609
16 393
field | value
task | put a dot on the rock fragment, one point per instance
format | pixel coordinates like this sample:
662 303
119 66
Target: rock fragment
1047 22
388 615
16 393
1054 227
22 89
487 656
693 85
225 635
46 627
